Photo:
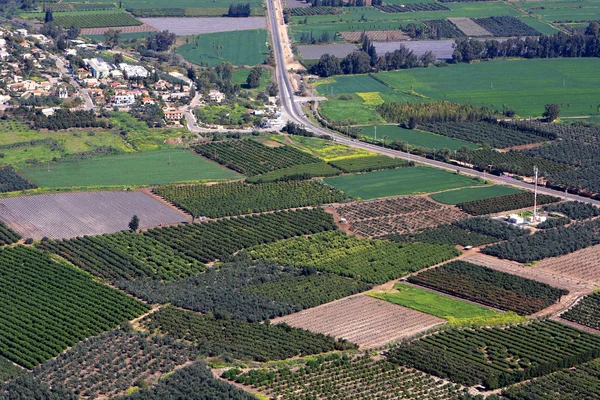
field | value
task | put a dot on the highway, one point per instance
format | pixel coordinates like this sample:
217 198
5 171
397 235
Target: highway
293 112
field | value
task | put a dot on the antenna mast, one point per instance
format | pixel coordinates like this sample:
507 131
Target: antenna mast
535 191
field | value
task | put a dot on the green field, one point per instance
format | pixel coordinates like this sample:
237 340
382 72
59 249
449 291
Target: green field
458 312
525 85
237 47
241 75
135 169
94 19
576 10
470 194
351 84
415 137
395 182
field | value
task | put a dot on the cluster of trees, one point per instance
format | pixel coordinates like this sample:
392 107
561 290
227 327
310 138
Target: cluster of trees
245 290
10 181
575 209
296 173
491 227
489 287
553 223
325 376
411 115
7 235
193 382
253 80
63 119
217 335
458 355
443 234
160 41
56 296
239 10
504 203
367 60
124 256
27 387
115 361
548 243
586 44
373 261
291 128
241 198
252 158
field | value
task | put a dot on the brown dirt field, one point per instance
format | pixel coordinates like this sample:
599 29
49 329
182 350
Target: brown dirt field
575 286
582 265
272 143
123 29
521 147
363 320
342 227
376 36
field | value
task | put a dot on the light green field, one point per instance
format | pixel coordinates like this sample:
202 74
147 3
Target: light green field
525 85
457 312
540 26
415 137
241 75
237 47
577 10
351 84
324 149
135 169
470 194
402 181
350 111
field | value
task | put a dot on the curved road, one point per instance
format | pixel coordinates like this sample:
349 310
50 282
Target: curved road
293 112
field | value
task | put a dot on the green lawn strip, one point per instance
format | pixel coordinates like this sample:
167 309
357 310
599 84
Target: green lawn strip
238 47
468 194
156 167
400 181
415 137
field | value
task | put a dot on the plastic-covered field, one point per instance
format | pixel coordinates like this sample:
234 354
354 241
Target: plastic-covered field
66 215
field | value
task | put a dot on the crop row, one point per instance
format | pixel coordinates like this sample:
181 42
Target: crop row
252 158
442 28
490 133
435 112
443 234
490 287
315 10
411 7
243 340
7 235
49 306
506 26
370 163
111 363
370 260
574 209
10 181
548 243
341 377
60 7
507 202
251 291
177 251
239 198
295 173
96 20
497 357
585 312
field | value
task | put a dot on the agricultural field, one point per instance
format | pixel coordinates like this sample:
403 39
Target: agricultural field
202 26
399 182
342 376
585 311
94 19
50 306
415 138
154 357
503 203
525 85
238 47
370 163
574 210
65 215
457 312
213 336
489 287
397 215
363 320
239 198
296 172
469 27
250 291
581 265
514 162
471 194
444 234
252 158
326 150
335 252
497 357
125 170
506 26
7 235
10 181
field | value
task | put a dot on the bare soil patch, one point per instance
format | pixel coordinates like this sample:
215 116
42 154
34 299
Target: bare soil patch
376 36
123 29
194 26
469 27
363 320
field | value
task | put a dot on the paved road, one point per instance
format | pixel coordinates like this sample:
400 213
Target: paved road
85 95
292 111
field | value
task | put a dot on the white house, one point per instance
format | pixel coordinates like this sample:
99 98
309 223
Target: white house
134 71
123 99
98 67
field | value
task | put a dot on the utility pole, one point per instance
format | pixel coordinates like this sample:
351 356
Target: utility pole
535 191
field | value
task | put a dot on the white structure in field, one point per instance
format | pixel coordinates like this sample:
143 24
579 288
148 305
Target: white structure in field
134 71
516 219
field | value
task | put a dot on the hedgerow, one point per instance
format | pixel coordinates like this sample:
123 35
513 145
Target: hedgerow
504 203
369 163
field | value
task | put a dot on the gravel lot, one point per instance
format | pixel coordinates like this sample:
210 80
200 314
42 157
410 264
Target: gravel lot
193 26
441 48
66 215
314 52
